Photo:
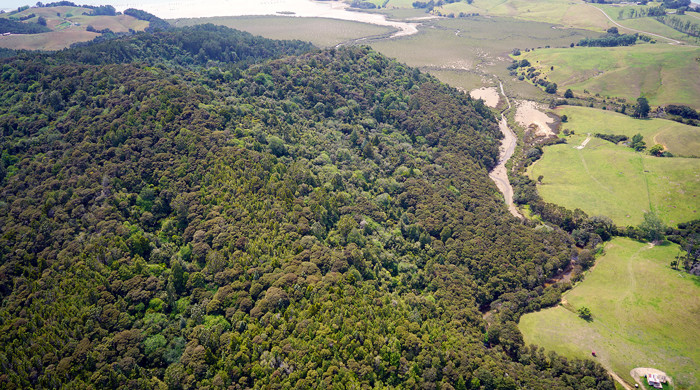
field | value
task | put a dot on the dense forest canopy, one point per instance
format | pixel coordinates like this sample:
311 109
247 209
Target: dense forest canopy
261 214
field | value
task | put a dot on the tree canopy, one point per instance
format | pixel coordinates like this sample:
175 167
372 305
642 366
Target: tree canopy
259 214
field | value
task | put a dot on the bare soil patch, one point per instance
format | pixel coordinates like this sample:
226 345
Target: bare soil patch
531 115
488 94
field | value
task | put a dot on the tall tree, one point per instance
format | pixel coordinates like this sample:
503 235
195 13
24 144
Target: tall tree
652 227
642 109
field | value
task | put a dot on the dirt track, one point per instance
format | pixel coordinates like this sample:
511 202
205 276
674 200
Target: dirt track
584 143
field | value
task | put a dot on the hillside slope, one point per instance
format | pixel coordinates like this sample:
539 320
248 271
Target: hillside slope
312 220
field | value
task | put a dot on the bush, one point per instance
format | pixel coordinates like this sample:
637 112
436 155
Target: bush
585 313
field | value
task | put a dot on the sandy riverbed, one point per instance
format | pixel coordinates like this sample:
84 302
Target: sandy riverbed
488 94
499 174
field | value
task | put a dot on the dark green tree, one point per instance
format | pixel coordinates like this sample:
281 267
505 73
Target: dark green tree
641 110
638 143
585 313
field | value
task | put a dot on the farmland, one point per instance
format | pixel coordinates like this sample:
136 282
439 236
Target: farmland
68 25
658 72
616 181
679 139
563 13
645 314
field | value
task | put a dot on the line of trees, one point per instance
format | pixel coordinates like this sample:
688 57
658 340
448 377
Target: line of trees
16 27
678 24
610 40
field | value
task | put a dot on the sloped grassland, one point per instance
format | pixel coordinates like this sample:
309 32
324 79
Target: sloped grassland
312 220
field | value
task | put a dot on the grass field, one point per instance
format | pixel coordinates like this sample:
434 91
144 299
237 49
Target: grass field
662 73
560 12
69 26
321 32
615 181
644 315
54 40
648 24
679 139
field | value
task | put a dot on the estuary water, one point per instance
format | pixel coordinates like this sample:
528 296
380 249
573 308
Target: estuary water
173 9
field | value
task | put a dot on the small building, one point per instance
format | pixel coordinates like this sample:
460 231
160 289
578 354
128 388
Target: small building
656 380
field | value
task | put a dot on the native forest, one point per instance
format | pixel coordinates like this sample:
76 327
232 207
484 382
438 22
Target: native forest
279 202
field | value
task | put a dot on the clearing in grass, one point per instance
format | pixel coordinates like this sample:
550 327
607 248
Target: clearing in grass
644 314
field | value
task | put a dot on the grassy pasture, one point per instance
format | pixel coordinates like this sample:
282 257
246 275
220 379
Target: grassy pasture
660 72
118 23
54 40
615 181
679 139
644 315
559 12
321 32
68 28
648 24
654 26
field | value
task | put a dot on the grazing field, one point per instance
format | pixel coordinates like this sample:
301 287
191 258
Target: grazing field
321 32
645 314
118 23
679 139
54 40
69 26
662 73
559 12
647 24
616 181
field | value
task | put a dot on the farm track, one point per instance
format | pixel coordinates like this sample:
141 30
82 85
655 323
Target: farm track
672 41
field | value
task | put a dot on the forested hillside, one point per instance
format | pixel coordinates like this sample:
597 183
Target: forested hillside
316 220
